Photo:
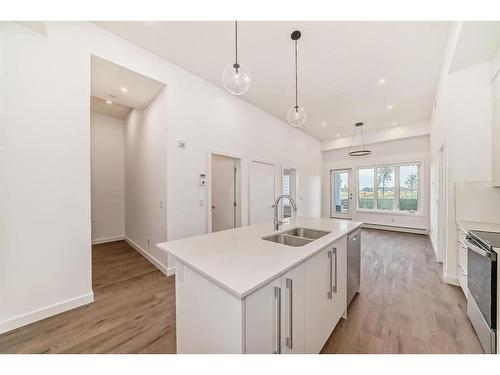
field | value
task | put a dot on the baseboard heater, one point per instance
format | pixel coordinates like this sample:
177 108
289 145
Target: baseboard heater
395 228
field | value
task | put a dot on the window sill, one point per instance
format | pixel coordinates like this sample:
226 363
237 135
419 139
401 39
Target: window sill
389 212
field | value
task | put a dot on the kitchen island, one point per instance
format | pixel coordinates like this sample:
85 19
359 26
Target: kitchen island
238 292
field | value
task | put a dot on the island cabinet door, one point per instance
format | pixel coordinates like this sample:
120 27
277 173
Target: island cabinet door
292 311
263 324
325 294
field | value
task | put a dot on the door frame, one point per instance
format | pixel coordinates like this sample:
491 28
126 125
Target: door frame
296 185
350 188
442 200
250 178
209 186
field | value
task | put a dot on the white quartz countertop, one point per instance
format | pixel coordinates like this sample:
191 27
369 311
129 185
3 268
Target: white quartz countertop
239 259
476 225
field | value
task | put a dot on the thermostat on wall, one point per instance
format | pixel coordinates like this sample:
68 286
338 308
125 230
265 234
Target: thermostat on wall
203 179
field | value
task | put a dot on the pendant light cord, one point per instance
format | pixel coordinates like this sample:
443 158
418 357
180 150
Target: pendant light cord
236 42
296 79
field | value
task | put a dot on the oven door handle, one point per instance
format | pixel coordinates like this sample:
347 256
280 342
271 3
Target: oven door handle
478 250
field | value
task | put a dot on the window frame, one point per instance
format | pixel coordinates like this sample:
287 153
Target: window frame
397 189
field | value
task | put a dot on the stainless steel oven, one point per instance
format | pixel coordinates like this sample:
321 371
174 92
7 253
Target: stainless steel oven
482 287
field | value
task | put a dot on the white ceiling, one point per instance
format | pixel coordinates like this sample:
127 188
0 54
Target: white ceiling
111 79
340 64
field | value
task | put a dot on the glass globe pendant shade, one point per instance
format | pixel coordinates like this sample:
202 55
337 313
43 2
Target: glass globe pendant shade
296 116
236 79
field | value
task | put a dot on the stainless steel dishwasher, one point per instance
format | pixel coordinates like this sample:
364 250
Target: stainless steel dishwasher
353 264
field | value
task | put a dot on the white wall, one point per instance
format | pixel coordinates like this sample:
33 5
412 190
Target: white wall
107 177
398 151
462 122
145 178
45 146
45 164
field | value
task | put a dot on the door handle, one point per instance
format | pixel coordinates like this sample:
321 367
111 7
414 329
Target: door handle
277 295
289 339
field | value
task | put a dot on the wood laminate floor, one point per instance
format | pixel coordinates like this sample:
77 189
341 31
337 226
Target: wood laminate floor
403 307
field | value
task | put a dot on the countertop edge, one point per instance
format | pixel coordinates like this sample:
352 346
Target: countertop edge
472 225
244 294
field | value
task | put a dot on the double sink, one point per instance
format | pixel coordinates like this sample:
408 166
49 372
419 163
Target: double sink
296 237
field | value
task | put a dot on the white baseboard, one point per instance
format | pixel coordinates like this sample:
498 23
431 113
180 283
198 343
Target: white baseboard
45 312
98 241
395 228
167 271
451 280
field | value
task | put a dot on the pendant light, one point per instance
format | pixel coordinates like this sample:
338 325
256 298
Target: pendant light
363 151
235 77
297 115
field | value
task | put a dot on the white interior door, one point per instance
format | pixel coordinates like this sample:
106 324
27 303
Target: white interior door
341 193
262 192
223 193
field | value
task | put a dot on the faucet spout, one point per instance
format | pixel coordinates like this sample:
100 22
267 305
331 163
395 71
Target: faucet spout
277 222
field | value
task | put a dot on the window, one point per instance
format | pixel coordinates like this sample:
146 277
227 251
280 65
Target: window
389 187
366 188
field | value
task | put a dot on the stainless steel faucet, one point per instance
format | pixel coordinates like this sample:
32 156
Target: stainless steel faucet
278 222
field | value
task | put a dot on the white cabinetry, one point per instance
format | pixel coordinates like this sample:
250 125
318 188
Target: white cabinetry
325 290
294 313
274 315
462 259
297 312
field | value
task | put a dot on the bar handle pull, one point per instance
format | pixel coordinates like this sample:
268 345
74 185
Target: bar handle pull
289 339
277 295
330 292
334 259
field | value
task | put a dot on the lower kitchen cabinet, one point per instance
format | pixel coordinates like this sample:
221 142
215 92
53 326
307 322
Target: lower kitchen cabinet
297 312
462 260
274 315
325 291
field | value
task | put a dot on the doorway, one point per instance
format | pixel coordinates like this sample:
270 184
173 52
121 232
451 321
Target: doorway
340 193
128 159
225 193
262 191
289 183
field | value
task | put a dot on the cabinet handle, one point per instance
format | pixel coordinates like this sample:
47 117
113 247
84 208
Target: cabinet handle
334 288
277 295
289 339
330 292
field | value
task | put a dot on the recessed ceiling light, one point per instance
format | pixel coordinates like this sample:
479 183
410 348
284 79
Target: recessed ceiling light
123 89
389 107
394 123
381 81
323 124
338 134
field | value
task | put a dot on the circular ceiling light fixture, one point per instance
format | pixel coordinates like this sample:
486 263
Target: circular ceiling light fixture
296 115
235 77
363 151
